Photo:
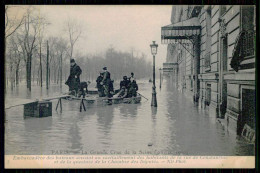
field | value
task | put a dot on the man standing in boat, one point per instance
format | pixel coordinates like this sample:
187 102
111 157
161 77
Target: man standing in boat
74 78
132 78
99 86
106 82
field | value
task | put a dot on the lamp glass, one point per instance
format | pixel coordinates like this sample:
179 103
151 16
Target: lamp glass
154 48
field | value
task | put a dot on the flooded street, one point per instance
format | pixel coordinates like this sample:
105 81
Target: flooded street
175 127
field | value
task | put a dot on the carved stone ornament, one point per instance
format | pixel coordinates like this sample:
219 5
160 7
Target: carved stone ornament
223 28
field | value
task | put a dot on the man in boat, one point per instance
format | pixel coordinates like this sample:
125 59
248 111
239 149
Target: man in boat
111 88
132 78
99 86
83 89
133 89
106 82
73 80
123 87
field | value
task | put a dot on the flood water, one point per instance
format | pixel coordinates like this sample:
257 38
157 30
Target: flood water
175 127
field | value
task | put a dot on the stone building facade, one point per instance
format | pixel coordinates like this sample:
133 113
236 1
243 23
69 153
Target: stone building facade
211 50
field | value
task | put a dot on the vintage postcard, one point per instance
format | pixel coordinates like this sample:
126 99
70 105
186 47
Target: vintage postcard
161 86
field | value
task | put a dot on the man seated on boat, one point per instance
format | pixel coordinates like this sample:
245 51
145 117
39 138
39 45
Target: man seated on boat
74 78
124 84
122 93
133 89
99 86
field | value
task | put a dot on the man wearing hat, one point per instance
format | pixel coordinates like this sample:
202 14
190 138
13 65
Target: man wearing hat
132 78
74 78
99 86
106 82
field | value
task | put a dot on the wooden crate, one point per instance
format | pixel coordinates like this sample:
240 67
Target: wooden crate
38 109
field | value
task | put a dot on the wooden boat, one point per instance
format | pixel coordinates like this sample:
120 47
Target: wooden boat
132 100
95 91
90 101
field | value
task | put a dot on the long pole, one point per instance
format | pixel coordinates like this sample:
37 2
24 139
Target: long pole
154 100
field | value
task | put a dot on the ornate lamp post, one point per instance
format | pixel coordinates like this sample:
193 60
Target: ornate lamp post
154 52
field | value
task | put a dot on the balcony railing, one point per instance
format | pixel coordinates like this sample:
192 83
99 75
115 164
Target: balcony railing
207 61
244 48
248 44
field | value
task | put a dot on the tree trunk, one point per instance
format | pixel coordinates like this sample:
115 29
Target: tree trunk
29 71
33 74
17 75
11 76
40 65
61 71
47 68
49 76
6 80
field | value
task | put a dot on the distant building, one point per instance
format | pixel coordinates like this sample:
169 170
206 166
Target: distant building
211 52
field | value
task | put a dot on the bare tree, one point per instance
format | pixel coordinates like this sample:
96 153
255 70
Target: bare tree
12 23
17 57
61 47
74 31
42 23
31 31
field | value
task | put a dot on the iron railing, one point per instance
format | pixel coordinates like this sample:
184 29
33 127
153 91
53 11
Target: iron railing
244 48
247 45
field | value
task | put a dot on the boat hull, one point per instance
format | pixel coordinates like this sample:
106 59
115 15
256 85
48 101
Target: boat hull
101 101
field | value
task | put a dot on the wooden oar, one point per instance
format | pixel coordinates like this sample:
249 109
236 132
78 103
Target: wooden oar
142 96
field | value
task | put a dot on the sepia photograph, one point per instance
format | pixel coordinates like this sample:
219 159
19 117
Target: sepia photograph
129 86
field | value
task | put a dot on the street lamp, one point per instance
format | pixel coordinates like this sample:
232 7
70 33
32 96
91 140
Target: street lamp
154 52
160 78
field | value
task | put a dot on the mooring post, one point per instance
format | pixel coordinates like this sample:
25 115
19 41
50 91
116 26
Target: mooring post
80 107
60 106
57 104
83 105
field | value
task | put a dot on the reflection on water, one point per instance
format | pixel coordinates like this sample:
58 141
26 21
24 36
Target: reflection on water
175 127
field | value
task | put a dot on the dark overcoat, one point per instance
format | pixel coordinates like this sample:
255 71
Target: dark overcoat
74 78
